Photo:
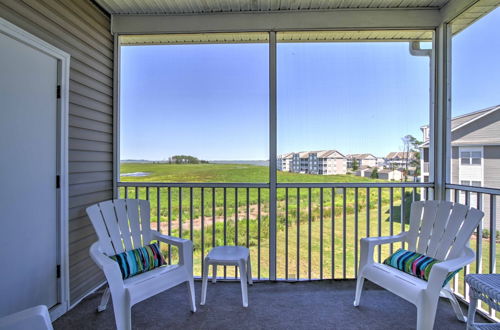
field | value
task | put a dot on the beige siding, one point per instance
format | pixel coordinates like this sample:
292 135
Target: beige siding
80 29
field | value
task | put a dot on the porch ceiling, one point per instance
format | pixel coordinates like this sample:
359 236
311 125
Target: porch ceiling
172 7
355 20
296 36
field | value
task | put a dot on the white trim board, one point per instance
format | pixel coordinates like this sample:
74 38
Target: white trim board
63 58
341 19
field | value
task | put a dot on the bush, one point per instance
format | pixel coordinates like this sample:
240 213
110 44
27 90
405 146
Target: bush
486 233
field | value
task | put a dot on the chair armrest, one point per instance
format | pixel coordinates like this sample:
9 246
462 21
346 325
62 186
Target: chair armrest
106 264
179 242
374 241
185 247
368 244
440 271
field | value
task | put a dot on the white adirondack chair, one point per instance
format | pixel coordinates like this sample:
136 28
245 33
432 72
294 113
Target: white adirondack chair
438 229
122 225
34 318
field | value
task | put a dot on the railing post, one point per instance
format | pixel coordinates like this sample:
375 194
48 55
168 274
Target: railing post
272 155
440 117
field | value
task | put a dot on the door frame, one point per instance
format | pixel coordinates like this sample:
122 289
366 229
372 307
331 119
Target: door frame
63 68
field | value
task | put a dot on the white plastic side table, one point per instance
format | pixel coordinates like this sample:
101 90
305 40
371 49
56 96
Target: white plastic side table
228 256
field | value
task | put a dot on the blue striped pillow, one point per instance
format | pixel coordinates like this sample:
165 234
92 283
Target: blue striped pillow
139 260
415 264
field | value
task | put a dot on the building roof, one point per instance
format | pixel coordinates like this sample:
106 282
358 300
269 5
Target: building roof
462 120
400 155
466 119
361 156
320 154
329 154
286 156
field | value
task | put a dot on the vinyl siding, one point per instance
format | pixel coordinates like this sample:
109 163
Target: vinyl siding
455 164
491 166
492 180
80 29
483 131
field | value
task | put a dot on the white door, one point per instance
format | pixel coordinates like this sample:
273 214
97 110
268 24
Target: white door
28 167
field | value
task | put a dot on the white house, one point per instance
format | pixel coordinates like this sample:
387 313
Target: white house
392 175
361 170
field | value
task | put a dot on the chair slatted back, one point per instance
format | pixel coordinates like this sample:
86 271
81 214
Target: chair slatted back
441 229
121 224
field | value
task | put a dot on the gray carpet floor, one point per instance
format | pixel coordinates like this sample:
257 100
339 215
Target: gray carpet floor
303 305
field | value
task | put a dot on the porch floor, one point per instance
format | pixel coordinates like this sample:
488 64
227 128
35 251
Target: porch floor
303 305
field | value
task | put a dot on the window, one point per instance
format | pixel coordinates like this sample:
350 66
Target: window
470 183
185 104
349 98
470 158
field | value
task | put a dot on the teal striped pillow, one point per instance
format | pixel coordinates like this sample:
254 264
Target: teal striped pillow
140 260
415 264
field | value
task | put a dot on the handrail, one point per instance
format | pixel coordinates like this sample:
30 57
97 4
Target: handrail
192 184
357 185
279 185
483 190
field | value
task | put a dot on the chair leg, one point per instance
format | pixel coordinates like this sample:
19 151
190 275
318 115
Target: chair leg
123 314
249 271
359 288
426 313
472 312
192 299
204 283
243 281
456 306
214 273
104 300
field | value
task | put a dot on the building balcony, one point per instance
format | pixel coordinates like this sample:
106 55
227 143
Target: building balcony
303 237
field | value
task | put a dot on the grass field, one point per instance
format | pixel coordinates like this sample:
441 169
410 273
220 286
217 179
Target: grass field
307 234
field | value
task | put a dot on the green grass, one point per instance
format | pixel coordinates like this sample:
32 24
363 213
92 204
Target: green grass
186 204
224 173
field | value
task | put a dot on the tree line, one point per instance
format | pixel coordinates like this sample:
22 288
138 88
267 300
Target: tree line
185 159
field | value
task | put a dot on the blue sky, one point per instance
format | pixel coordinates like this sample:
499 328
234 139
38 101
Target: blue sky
476 65
211 101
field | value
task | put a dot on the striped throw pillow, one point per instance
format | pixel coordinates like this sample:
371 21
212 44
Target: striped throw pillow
415 264
140 260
